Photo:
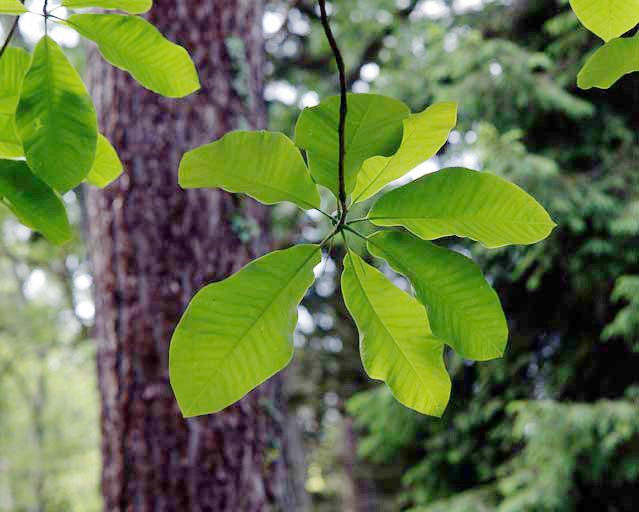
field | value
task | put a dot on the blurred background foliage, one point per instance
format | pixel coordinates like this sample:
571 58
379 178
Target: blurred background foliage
553 426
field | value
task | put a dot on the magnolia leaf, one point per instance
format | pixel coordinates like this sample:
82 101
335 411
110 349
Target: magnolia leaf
237 333
609 63
55 119
464 311
396 344
462 202
424 134
373 127
264 165
13 65
132 6
11 7
607 18
133 44
107 166
33 201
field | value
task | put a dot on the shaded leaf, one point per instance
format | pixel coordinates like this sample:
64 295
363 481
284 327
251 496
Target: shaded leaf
396 344
107 166
237 333
133 44
424 134
11 7
373 127
132 6
464 311
607 18
462 202
264 165
34 203
55 119
609 63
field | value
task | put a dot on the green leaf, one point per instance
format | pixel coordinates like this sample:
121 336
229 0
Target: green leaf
13 65
609 63
55 119
132 6
237 333
373 127
33 201
396 343
133 44
264 165
458 201
607 18
464 311
424 134
107 166
11 7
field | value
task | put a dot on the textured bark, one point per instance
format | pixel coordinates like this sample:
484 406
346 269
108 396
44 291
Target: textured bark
152 245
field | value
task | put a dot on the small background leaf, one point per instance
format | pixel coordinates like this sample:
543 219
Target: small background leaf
107 166
132 6
607 18
609 63
33 201
133 44
396 344
424 134
458 201
464 311
11 7
237 333
265 165
55 119
373 127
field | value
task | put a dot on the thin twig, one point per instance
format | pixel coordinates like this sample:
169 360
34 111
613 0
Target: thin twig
342 112
6 41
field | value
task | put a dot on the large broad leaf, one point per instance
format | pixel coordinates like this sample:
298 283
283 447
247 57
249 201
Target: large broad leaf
132 6
33 201
11 7
609 63
457 201
107 166
373 127
424 134
13 65
264 165
133 44
238 332
55 119
464 311
607 18
396 343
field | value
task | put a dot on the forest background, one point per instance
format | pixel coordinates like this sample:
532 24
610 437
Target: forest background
553 426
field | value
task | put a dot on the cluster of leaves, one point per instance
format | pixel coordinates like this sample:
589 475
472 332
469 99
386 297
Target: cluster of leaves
49 138
609 19
238 332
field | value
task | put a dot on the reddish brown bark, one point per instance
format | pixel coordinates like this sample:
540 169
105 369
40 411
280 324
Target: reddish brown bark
152 246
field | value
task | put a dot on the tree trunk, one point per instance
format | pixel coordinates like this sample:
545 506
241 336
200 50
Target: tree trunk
152 246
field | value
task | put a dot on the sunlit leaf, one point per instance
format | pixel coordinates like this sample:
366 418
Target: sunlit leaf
373 127
396 344
609 63
462 202
607 18
33 201
238 332
55 119
424 134
133 44
264 165
13 65
464 311
132 6
11 7
107 166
